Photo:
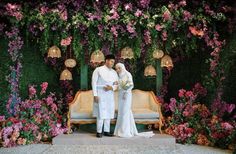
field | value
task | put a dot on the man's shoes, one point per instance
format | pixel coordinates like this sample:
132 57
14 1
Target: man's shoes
108 134
99 135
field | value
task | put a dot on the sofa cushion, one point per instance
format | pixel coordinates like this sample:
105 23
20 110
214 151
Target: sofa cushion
145 114
138 114
82 114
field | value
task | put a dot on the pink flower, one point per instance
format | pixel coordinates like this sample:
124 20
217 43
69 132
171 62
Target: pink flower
66 41
49 100
44 10
21 141
189 94
63 15
166 15
128 7
182 3
138 13
227 126
32 91
182 92
164 36
158 27
44 86
130 28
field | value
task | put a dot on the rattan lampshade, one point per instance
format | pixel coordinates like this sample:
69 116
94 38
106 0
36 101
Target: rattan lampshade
166 61
70 63
157 54
66 75
54 52
97 57
150 71
127 53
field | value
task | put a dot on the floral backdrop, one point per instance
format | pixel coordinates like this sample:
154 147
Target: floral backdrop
180 28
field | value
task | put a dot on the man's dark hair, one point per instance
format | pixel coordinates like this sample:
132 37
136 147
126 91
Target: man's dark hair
110 56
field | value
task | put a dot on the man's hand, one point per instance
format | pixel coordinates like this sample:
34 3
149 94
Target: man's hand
95 99
115 83
107 88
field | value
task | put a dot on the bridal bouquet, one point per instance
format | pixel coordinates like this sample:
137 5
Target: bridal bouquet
125 84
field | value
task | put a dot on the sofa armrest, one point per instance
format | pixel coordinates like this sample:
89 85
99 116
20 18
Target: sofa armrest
155 105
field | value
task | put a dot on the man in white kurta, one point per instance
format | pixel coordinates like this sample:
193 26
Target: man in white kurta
103 86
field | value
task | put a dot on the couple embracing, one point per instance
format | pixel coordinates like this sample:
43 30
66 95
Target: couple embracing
105 80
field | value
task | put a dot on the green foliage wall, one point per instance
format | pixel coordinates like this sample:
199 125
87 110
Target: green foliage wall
184 75
35 71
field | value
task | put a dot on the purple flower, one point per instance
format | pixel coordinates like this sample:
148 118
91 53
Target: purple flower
2 26
172 105
144 3
2 118
114 31
187 15
100 30
147 37
14 10
182 3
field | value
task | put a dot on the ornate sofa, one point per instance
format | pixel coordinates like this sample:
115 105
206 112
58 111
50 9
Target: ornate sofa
145 106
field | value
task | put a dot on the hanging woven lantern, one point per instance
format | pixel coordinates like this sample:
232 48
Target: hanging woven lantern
66 75
150 71
70 63
166 61
54 52
127 53
157 54
97 57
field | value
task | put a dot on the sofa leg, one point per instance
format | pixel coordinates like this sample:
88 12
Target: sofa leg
160 129
69 131
150 127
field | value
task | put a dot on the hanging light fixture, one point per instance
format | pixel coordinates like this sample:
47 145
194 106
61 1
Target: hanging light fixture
97 57
157 54
127 53
70 62
54 52
166 61
150 71
66 75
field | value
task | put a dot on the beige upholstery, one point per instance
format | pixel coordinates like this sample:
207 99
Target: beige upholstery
145 107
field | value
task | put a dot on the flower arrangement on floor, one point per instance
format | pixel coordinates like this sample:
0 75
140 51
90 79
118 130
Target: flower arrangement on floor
194 122
37 119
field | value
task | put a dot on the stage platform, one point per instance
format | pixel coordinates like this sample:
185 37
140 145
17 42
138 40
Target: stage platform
85 138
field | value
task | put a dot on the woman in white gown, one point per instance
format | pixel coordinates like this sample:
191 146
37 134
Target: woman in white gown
125 124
